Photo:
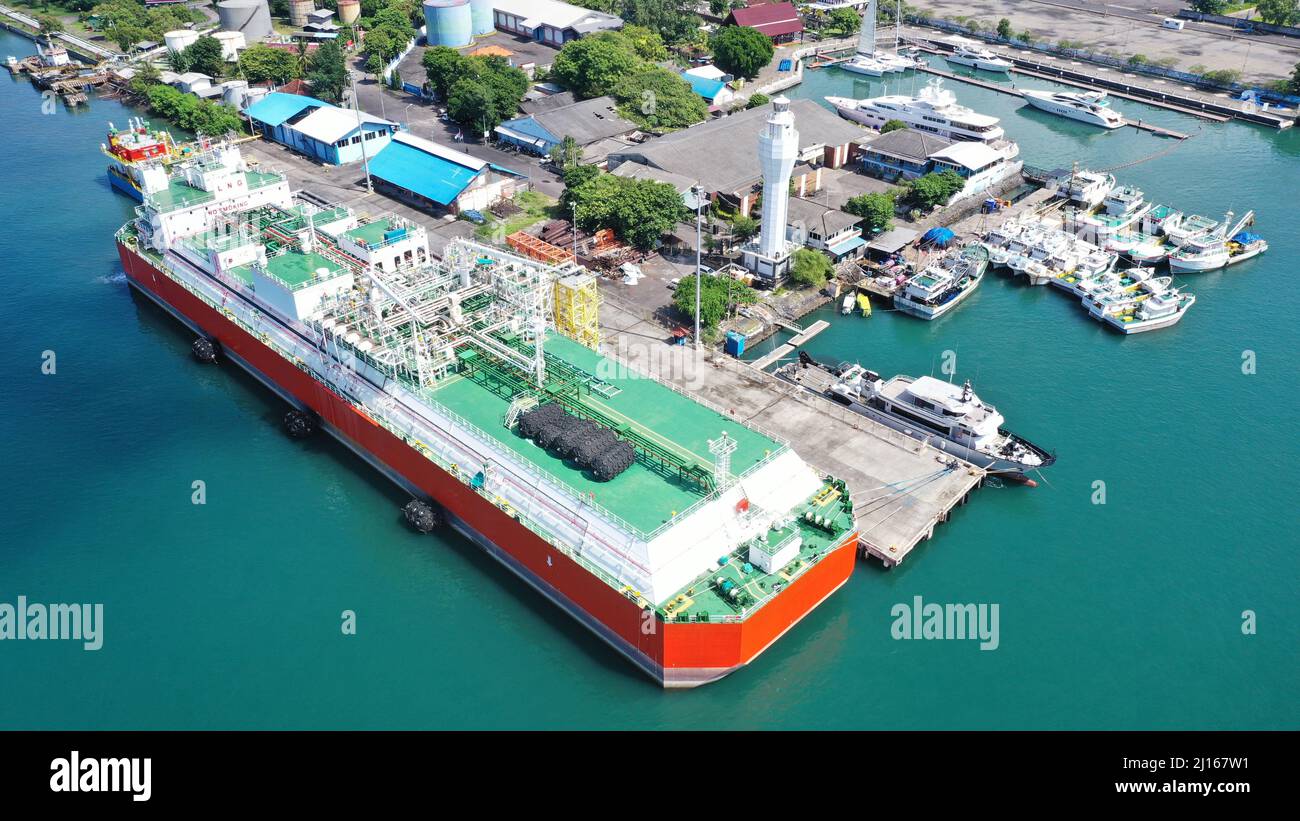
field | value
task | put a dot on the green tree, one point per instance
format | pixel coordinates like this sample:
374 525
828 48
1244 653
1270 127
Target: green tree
645 210
757 99
261 63
935 188
49 24
844 19
658 99
809 267
674 20
718 295
470 103
1293 85
444 65
1210 6
592 66
565 153
741 51
204 56
744 228
1279 12
1004 29
875 208
892 125
326 72
646 44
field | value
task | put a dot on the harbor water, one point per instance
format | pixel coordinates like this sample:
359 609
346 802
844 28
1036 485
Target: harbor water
228 614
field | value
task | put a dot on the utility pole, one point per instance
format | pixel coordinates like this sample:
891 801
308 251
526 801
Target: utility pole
356 107
698 191
574 205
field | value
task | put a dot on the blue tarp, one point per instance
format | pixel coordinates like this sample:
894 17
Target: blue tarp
276 107
939 236
436 178
785 65
1246 237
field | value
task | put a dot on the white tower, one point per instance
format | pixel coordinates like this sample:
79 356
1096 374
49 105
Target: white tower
778 146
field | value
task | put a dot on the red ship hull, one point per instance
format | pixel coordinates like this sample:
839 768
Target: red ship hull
673 654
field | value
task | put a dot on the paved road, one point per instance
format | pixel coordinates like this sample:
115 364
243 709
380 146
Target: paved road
422 120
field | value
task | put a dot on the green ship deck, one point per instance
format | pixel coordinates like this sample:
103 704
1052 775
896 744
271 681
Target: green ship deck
643 496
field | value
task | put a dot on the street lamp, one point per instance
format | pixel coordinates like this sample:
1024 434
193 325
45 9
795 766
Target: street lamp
698 191
361 132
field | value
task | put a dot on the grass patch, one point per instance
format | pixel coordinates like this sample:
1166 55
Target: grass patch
537 207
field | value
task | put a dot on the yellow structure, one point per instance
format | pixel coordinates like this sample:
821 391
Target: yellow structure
577 309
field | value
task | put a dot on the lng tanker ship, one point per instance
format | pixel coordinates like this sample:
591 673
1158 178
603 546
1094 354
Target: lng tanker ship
685 539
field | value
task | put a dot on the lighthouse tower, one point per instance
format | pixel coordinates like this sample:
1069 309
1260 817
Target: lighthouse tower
778 147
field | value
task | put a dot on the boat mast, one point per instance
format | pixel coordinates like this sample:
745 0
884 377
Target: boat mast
867 34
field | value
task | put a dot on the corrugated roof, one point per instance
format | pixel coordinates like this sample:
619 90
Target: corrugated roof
428 169
329 125
704 86
908 144
276 107
973 155
773 19
586 122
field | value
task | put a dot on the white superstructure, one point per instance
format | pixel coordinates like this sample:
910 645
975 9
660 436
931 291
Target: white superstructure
1089 107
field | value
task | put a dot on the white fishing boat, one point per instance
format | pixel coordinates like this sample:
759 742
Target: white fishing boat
1086 188
1089 107
966 53
846 306
1121 208
1219 248
944 284
1155 304
1190 226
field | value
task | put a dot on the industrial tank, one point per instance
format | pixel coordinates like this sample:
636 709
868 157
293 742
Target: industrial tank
298 11
251 18
180 38
349 11
481 17
447 22
231 44
234 93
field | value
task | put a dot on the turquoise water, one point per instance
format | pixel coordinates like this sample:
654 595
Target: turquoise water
228 614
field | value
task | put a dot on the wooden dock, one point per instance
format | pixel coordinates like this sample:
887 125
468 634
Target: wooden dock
802 335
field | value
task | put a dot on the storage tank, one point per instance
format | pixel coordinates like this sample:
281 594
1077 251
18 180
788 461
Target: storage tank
298 11
180 38
231 42
234 93
349 11
481 17
447 22
250 18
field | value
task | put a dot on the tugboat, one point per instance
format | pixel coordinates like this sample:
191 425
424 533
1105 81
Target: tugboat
130 149
949 417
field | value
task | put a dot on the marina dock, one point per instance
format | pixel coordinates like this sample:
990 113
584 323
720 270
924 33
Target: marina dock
902 488
1002 88
802 335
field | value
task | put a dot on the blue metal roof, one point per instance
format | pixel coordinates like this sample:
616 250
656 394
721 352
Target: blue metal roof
847 245
529 127
436 178
703 86
276 107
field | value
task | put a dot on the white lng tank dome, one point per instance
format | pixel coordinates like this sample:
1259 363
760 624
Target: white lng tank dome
179 39
231 44
251 18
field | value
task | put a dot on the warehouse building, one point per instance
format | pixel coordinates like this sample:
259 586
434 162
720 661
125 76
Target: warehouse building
319 130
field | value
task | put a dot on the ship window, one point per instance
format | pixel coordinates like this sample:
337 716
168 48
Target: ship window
925 423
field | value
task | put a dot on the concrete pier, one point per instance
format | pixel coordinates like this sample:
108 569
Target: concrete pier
901 487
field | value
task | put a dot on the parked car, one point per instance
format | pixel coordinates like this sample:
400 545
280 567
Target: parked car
475 217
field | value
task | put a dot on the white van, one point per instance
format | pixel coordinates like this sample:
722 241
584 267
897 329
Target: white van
1173 23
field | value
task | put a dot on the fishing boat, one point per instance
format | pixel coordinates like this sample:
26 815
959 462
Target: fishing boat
1190 226
944 284
864 304
1218 248
130 149
1156 304
1085 188
1120 209
846 306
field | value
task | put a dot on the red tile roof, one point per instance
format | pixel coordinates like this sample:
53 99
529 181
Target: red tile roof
773 19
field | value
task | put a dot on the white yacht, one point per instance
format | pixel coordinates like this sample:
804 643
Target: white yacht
949 417
864 61
935 110
971 54
1090 107
944 284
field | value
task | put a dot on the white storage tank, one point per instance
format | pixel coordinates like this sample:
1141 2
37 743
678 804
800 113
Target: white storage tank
180 39
481 17
235 93
231 43
251 18
447 22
